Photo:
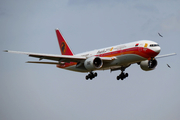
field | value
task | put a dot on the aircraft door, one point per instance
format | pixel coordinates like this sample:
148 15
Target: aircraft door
140 47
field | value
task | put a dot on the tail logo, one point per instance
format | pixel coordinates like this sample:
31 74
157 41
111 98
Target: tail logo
63 47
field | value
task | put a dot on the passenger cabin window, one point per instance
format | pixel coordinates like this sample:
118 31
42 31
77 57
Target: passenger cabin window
153 45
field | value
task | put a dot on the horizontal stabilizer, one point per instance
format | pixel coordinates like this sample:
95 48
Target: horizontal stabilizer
55 63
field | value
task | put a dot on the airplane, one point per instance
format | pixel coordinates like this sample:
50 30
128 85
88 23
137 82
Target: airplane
119 57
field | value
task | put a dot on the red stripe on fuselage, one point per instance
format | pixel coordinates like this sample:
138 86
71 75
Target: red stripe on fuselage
141 51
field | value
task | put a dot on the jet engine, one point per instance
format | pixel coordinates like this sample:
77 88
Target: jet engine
148 64
93 63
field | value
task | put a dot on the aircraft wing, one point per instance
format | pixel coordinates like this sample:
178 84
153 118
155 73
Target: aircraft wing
59 58
167 55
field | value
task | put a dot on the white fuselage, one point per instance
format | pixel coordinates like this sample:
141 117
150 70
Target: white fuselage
125 54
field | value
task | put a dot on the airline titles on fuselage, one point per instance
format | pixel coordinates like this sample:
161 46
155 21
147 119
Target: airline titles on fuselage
102 51
111 49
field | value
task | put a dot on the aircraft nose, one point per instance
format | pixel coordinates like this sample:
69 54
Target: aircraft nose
157 49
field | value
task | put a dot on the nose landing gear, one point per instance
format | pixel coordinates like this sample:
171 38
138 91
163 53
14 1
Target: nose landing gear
91 75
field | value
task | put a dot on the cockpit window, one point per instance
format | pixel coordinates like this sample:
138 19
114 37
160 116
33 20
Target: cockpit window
153 45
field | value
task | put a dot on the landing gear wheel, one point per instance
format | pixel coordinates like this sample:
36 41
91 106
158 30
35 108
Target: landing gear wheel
122 76
91 75
87 77
95 74
118 77
126 75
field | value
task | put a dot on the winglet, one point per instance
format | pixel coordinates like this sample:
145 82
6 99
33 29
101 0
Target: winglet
65 50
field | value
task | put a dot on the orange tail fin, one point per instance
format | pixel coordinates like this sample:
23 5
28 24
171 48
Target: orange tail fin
65 50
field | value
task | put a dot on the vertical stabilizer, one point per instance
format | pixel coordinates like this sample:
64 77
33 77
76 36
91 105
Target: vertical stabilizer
65 50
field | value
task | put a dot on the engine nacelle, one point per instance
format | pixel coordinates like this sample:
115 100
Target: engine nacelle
93 63
148 64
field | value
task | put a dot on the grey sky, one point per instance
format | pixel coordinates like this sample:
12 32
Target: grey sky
43 92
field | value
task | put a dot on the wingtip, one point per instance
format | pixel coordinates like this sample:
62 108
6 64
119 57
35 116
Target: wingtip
5 51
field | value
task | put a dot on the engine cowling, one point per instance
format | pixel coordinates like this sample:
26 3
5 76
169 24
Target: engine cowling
93 63
148 64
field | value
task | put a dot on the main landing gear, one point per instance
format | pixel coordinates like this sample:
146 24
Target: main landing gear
91 75
122 76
